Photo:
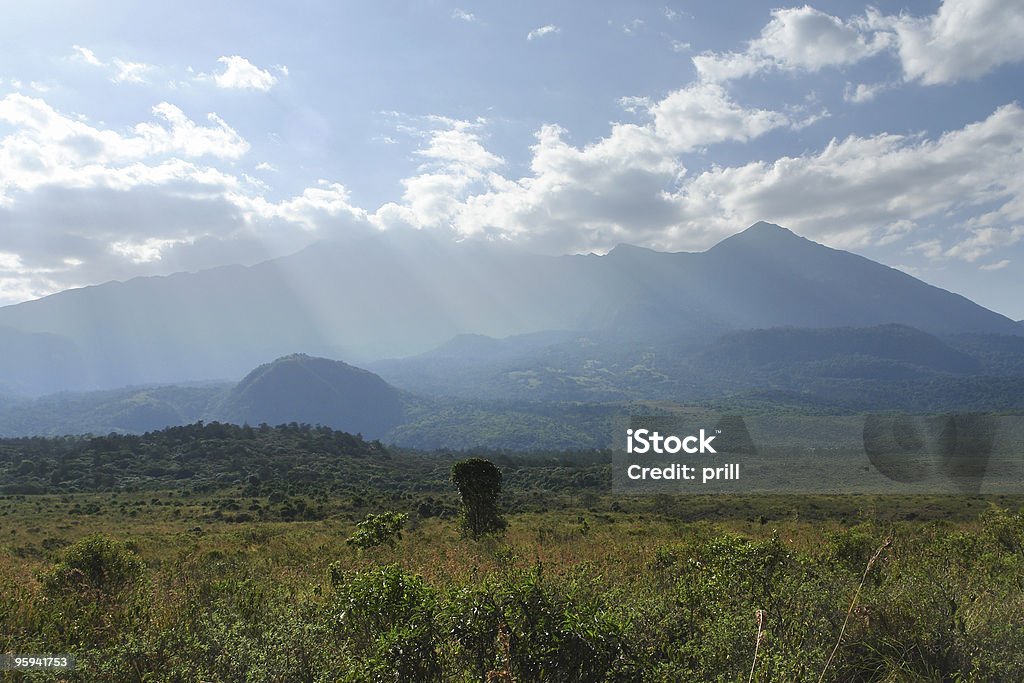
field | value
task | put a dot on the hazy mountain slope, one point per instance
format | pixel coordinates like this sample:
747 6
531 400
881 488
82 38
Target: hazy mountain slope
559 390
780 347
133 409
396 295
605 367
33 362
775 278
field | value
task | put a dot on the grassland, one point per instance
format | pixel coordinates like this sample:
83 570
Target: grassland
571 593
155 578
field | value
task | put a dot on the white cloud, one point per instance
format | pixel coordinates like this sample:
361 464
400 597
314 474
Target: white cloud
680 46
896 231
932 249
798 38
863 92
577 198
455 161
146 251
307 211
186 137
86 55
634 104
998 265
704 114
965 39
984 241
49 147
240 73
632 185
549 29
846 191
632 27
463 15
122 71
130 72
9 261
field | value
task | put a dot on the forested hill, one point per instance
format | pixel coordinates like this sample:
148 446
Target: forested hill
200 456
291 459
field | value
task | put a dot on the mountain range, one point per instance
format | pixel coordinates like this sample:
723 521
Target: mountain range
401 296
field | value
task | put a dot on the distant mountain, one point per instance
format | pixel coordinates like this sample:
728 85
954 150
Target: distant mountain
783 347
563 390
603 367
301 388
396 295
131 409
39 363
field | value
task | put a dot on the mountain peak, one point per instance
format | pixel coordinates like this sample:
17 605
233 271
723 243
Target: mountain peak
764 226
763 235
766 230
622 249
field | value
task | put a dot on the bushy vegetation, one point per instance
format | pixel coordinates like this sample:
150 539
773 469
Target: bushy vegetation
682 602
204 457
246 572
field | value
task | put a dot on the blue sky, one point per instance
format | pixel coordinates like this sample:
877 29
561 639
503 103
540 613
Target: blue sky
145 138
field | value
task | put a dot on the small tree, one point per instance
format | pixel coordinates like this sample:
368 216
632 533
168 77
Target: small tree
376 530
479 484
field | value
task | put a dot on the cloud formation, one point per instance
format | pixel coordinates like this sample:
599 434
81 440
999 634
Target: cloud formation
964 39
241 74
81 203
575 198
463 15
632 185
121 71
799 38
86 55
540 32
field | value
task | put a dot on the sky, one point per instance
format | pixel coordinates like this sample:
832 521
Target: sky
150 138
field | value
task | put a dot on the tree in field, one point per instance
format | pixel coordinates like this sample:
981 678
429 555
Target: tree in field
479 484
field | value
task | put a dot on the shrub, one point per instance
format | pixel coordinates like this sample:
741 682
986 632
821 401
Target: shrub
96 566
385 528
388 617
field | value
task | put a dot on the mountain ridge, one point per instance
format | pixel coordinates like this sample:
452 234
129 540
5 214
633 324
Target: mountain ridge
393 296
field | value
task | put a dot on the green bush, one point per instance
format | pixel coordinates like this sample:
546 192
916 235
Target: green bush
97 567
387 618
383 529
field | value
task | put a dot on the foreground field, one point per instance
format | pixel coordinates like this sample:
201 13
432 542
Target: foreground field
172 591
